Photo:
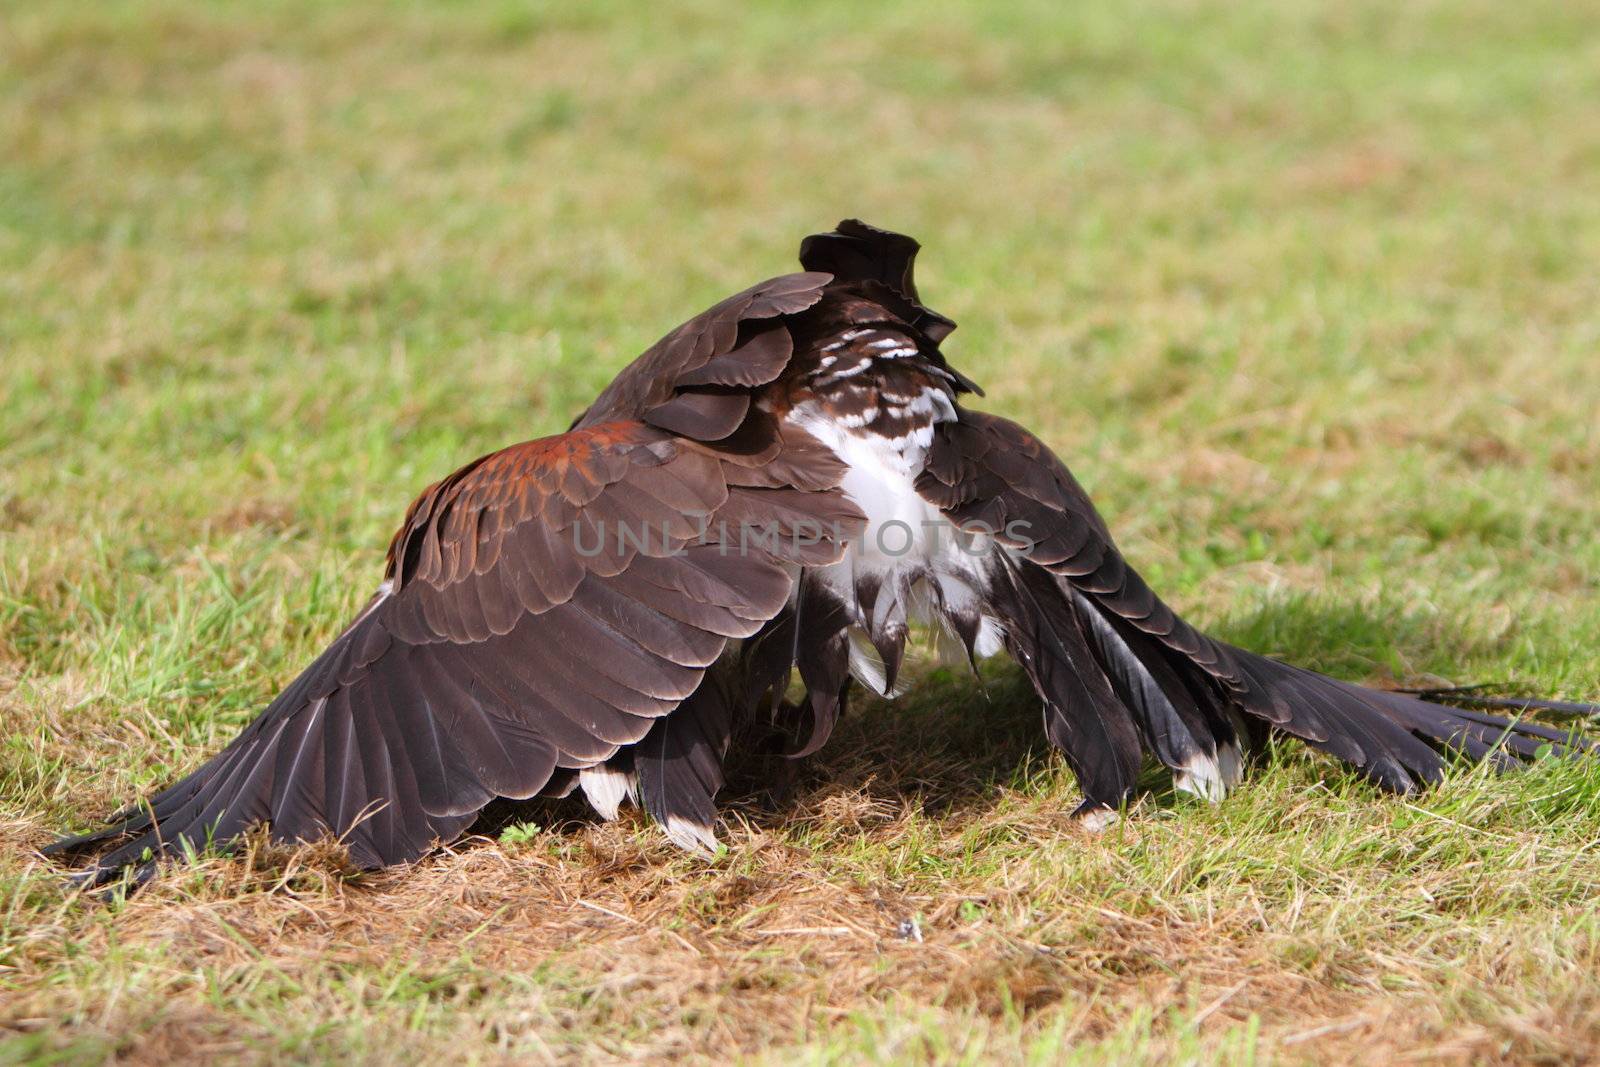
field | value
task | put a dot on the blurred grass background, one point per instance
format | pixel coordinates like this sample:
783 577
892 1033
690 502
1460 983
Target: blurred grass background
1305 292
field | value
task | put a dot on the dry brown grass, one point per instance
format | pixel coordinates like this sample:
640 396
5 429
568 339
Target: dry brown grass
892 901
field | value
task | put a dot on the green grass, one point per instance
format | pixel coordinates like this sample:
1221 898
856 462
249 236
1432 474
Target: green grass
1305 293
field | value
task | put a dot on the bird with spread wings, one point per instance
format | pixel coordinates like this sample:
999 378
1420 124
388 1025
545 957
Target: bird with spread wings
786 483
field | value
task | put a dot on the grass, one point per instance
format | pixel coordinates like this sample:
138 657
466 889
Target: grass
1305 292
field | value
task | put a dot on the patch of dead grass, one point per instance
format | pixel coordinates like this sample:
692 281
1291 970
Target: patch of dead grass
592 940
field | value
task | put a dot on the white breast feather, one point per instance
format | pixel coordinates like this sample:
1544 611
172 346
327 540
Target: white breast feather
906 538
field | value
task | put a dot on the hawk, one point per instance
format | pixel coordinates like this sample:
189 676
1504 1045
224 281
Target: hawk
787 483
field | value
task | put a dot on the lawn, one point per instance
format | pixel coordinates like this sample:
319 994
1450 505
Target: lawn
1305 293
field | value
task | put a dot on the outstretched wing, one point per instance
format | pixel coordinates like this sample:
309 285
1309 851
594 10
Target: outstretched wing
1104 628
544 607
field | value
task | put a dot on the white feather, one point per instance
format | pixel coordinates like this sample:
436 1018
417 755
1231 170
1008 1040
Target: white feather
907 539
605 787
690 836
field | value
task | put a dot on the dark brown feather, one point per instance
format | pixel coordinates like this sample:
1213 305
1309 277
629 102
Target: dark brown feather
505 650
988 471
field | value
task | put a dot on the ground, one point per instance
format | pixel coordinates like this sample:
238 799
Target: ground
1304 292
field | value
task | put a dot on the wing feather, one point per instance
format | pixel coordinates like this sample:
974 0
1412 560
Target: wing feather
502 651
986 470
